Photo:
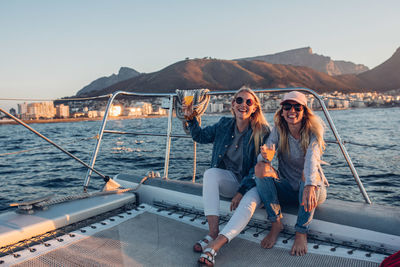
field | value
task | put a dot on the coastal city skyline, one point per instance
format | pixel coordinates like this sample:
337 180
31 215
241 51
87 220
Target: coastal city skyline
53 49
94 109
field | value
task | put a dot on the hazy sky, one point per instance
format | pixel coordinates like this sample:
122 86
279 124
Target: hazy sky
51 49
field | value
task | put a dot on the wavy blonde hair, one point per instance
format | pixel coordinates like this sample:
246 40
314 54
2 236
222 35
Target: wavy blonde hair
311 123
259 124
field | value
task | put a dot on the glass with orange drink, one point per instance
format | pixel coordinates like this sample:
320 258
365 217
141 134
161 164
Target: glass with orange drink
188 99
268 153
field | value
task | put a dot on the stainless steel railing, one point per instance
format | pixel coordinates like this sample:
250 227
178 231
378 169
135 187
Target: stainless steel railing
104 122
53 143
169 134
169 130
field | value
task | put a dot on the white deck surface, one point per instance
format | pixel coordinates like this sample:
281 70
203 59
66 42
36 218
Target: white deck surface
150 238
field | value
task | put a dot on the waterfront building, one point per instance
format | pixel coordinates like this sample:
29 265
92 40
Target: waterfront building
62 111
22 108
329 103
215 107
146 107
160 111
92 113
115 111
313 103
133 111
35 111
271 105
357 100
79 115
139 109
346 103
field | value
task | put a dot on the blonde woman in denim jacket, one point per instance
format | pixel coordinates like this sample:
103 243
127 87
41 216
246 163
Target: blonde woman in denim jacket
236 143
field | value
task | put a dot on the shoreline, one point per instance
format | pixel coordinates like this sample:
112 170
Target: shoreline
11 121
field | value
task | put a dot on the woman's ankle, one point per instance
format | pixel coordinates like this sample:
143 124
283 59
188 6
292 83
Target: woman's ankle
218 242
213 225
277 224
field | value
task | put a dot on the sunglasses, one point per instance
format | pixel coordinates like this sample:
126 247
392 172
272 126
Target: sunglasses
288 106
239 100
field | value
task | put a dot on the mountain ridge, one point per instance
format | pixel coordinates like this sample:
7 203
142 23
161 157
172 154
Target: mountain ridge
384 76
220 74
124 73
305 57
227 75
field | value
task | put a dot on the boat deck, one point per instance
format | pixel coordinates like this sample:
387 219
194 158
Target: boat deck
153 237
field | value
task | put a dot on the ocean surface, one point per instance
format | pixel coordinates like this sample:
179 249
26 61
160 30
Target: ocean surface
372 135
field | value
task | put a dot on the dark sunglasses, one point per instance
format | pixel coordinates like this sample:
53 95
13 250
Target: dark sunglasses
239 100
288 106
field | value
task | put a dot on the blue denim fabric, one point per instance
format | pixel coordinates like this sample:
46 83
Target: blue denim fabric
221 135
273 191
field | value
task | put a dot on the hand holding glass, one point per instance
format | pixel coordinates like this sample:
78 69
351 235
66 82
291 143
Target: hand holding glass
187 107
188 99
268 153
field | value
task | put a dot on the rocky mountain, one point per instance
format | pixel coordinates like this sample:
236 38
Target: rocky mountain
230 75
386 76
94 87
305 57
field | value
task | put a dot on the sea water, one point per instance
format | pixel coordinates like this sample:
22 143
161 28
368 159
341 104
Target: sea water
31 168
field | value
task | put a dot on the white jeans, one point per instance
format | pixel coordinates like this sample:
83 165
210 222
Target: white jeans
218 182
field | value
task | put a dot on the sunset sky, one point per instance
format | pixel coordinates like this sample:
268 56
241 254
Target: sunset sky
51 49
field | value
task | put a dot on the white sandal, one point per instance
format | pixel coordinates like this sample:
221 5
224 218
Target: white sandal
202 243
210 258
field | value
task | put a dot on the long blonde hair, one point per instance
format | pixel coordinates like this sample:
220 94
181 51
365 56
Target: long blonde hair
258 123
311 123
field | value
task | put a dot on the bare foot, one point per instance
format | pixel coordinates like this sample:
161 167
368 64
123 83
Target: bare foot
299 247
270 240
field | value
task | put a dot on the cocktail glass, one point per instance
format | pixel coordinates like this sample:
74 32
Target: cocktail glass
188 99
268 153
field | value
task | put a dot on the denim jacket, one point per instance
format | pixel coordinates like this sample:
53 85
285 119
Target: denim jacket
221 135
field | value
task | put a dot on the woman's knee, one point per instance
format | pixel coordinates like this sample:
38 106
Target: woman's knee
251 199
265 181
209 172
209 181
210 175
266 189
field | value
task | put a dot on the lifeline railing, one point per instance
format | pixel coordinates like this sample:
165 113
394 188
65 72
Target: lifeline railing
169 130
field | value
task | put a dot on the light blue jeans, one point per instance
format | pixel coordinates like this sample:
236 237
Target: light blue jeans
272 191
